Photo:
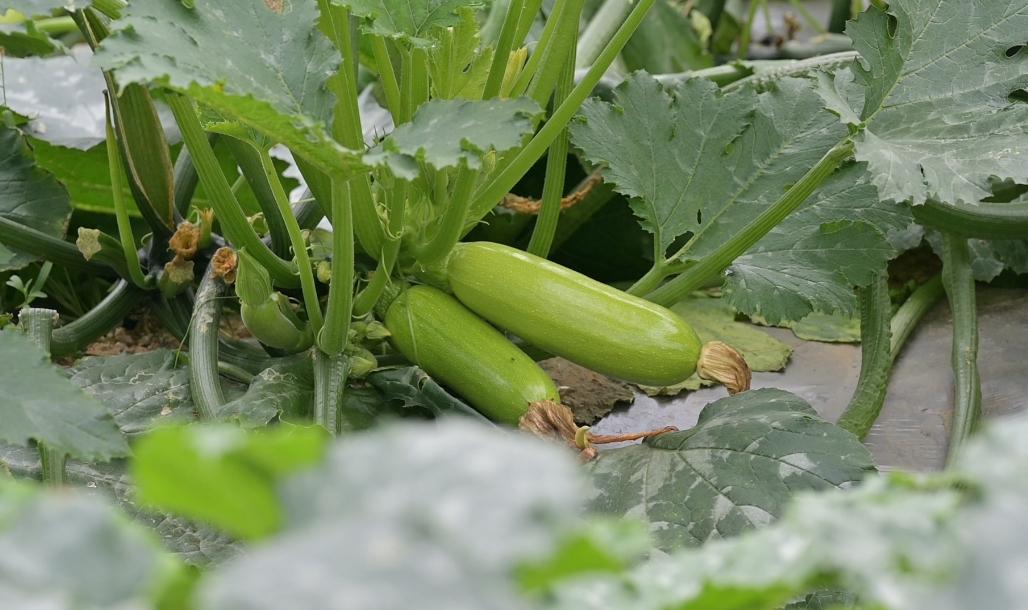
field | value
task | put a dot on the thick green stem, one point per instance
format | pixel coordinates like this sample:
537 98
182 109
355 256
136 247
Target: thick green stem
451 225
330 373
333 336
651 280
31 241
487 197
303 261
55 26
718 260
368 297
38 324
600 30
981 220
554 55
108 313
556 171
387 77
230 215
958 280
204 382
186 180
917 305
121 213
535 59
504 46
260 180
875 358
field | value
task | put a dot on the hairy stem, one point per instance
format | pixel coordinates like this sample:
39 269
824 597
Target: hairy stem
204 382
504 46
38 324
303 261
121 214
875 358
958 281
330 373
718 260
917 305
333 336
556 170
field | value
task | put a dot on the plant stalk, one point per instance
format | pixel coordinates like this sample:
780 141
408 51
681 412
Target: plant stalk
958 280
330 374
299 245
487 196
121 214
333 336
601 28
451 225
38 324
556 171
229 213
204 326
875 357
718 260
504 45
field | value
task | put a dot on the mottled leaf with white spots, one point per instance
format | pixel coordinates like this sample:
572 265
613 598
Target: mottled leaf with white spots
736 470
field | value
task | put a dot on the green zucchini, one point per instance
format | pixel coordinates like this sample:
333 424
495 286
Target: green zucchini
436 332
573 316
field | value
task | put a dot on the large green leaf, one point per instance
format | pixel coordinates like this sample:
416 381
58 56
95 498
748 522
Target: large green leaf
412 388
286 387
152 388
29 196
446 133
438 513
26 40
409 19
64 550
736 470
62 97
940 121
262 64
39 403
701 165
140 390
222 475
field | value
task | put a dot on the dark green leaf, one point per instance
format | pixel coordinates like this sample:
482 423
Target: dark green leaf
286 387
254 62
736 470
39 403
28 196
413 388
222 475
140 390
